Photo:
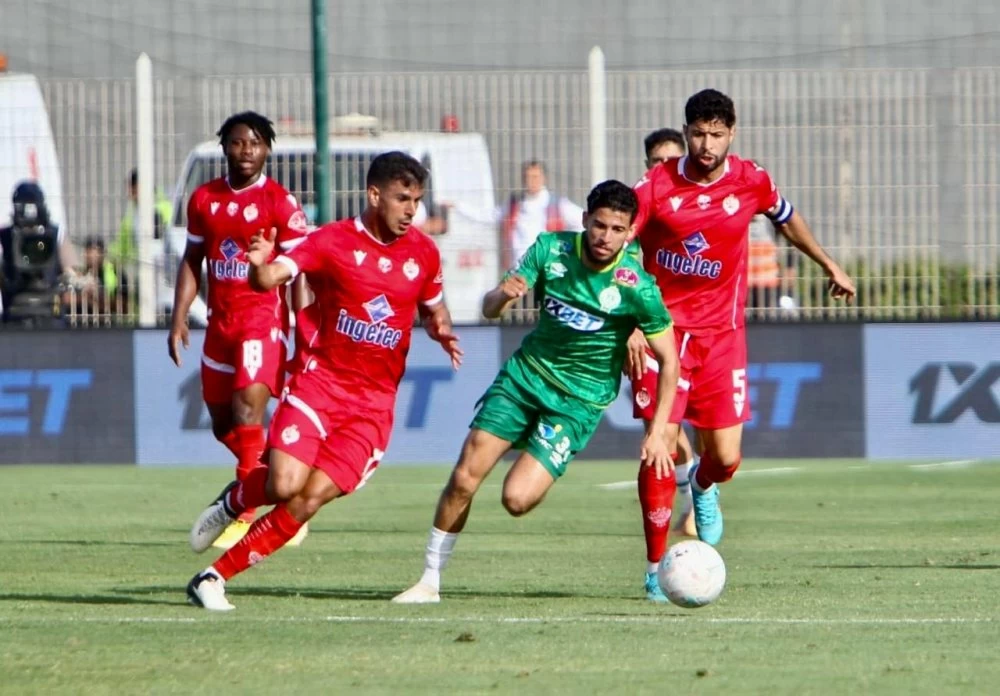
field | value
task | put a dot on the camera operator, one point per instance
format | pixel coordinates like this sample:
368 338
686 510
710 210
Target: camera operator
34 252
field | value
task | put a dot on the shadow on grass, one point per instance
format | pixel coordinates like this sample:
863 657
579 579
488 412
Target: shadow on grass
120 597
87 542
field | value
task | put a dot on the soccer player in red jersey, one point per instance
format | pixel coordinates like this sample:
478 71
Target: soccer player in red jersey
243 362
370 275
693 226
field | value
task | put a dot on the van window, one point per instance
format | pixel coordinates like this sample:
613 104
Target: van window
295 171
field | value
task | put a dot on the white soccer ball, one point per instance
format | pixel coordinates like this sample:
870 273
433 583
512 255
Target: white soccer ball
692 574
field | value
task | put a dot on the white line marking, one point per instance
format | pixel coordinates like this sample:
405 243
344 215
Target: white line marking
957 464
628 619
618 485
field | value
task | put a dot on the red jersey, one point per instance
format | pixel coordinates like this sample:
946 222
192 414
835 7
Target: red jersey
695 239
223 221
367 293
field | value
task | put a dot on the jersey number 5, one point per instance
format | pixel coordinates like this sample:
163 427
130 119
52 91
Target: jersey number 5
739 390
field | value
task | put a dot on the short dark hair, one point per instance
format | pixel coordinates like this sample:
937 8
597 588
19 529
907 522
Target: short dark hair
133 178
614 195
664 135
261 125
532 164
395 166
710 105
94 243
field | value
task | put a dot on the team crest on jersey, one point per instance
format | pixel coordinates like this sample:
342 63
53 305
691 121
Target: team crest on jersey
731 204
250 213
627 277
384 264
232 208
563 248
298 222
675 202
610 298
556 269
230 249
359 256
704 200
411 270
290 435
642 399
214 207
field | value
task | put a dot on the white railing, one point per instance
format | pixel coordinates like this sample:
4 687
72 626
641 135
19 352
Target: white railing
894 169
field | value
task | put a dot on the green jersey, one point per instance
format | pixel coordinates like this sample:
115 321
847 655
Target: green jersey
586 316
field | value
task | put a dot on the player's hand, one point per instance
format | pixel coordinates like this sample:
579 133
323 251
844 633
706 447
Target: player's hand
441 331
841 285
635 356
514 287
261 247
656 452
179 335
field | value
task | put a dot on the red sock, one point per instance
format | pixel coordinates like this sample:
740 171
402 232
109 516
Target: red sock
251 493
710 470
656 496
251 442
232 443
266 535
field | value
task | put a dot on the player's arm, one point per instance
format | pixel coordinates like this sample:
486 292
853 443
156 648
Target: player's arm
434 311
516 283
188 283
292 230
793 227
657 329
797 232
266 276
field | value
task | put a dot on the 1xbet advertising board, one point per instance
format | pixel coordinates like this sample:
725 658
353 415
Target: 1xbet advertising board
932 391
66 398
804 387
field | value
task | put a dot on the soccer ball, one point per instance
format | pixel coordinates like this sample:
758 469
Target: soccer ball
692 574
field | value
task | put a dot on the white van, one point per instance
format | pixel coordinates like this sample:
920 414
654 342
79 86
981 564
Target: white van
27 149
460 176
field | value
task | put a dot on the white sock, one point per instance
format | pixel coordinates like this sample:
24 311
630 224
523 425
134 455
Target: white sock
683 472
439 547
652 568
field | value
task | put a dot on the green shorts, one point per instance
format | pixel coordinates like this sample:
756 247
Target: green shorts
539 418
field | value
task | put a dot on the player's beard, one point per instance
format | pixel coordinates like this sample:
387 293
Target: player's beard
589 253
706 170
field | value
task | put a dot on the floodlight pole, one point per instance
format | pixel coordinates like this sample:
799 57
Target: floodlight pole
320 113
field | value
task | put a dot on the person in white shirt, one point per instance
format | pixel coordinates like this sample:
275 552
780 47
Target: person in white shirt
533 211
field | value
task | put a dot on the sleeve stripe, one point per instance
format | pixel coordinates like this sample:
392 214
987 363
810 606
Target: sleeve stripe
291 243
781 212
289 264
195 239
434 300
656 333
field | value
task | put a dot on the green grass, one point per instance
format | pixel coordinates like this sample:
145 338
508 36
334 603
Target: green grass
843 577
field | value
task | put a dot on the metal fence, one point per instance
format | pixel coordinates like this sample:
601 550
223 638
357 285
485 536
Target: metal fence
894 169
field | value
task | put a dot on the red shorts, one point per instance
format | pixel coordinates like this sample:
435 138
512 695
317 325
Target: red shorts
231 362
712 389
344 441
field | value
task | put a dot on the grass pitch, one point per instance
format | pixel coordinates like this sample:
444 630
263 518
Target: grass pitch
843 577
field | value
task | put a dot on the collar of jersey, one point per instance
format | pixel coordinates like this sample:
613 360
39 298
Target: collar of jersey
680 170
360 227
261 180
610 267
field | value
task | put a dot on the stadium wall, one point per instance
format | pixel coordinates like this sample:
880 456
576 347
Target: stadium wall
884 391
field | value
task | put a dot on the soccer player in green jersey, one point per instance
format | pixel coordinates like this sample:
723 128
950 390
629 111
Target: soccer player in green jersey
549 396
